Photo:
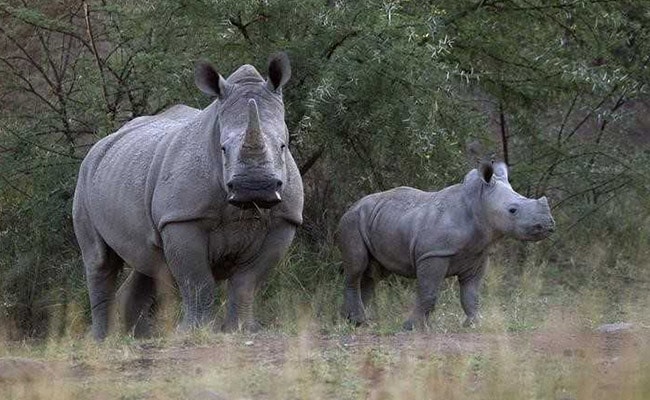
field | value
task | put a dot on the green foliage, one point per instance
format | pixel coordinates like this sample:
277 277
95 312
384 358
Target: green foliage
383 93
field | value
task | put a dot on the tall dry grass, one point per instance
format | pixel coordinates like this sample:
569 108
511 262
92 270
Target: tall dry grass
541 307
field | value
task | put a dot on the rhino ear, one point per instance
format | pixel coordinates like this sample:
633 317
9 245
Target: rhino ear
501 170
279 71
208 80
486 170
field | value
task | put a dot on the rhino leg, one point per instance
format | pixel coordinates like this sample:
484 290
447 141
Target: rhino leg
101 276
430 272
469 288
241 296
102 266
186 253
243 285
355 264
136 298
367 288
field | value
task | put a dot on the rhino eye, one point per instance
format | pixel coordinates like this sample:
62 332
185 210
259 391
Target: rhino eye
512 210
283 146
223 149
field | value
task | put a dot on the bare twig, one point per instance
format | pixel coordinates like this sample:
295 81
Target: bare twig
504 134
98 59
243 27
40 146
593 188
311 161
566 118
14 187
590 113
330 50
590 212
560 6
28 170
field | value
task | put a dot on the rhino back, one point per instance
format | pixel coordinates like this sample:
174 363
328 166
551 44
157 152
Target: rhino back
404 224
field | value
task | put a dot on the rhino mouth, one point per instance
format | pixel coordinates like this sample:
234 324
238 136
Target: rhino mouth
539 232
255 199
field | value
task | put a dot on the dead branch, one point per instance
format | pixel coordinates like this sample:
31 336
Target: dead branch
311 161
98 60
566 118
504 134
14 187
339 43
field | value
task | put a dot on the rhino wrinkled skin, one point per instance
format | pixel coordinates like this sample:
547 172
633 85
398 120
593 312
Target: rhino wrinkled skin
434 235
205 195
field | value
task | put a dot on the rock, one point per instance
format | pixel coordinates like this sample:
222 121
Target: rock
615 328
23 370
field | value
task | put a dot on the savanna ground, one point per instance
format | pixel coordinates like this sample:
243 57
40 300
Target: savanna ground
539 338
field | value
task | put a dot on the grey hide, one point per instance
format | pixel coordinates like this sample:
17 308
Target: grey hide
434 235
205 195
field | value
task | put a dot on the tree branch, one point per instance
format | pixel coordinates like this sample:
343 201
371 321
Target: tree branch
40 146
14 187
504 134
330 50
98 60
304 168
566 117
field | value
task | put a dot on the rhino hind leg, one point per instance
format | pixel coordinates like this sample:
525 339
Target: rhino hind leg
102 268
136 300
356 260
367 288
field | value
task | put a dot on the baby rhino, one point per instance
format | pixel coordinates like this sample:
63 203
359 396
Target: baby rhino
434 235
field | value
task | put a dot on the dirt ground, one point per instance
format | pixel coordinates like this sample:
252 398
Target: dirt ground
174 363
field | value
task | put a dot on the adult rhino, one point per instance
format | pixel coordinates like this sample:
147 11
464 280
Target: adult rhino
434 235
207 195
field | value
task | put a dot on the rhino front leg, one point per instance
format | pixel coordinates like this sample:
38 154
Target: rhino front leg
469 288
186 252
243 285
241 296
430 272
136 298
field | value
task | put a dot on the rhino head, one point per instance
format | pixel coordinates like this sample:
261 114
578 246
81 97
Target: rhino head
509 213
251 129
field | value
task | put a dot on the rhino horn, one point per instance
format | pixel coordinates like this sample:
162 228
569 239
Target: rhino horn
254 139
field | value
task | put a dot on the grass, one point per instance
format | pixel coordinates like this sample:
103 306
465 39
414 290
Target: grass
536 341
541 305
555 362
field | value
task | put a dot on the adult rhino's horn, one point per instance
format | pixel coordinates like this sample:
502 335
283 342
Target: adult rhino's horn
254 139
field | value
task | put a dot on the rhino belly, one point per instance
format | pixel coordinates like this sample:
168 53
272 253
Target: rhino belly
391 251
